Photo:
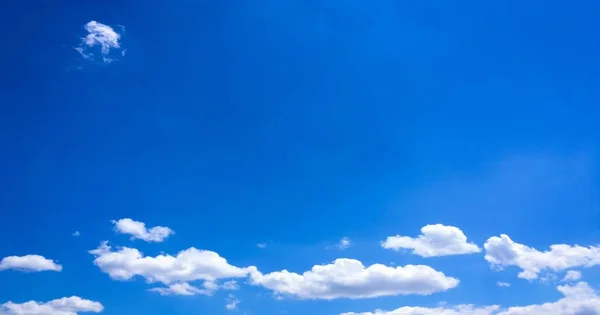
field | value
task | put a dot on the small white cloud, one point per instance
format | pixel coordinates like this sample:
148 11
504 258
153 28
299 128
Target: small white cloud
435 240
261 245
232 302
344 243
29 263
230 285
191 264
76 233
572 275
501 252
184 288
349 278
102 36
65 306
138 230
503 284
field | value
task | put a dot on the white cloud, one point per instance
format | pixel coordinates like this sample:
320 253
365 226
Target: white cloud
65 306
578 299
502 252
138 230
348 278
232 302
435 240
572 275
185 288
29 263
261 245
503 284
344 243
230 285
103 36
76 233
191 264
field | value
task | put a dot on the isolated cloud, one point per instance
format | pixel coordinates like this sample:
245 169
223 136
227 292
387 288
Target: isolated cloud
191 264
29 263
503 284
435 240
578 299
65 306
102 36
232 302
349 278
185 288
138 230
502 252
230 285
572 275
344 243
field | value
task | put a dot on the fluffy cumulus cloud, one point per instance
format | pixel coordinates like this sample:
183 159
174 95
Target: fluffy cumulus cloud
501 252
435 240
29 263
102 36
578 299
349 278
192 264
65 306
138 230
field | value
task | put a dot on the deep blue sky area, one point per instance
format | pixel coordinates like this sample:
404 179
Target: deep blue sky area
294 124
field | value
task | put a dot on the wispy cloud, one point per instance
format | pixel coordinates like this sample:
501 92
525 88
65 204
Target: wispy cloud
344 243
232 302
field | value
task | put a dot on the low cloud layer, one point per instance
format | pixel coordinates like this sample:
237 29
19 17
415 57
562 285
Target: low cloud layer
578 299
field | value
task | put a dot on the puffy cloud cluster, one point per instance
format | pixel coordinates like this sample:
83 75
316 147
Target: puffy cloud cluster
191 264
349 278
501 252
138 230
65 306
29 263
578 299
435 240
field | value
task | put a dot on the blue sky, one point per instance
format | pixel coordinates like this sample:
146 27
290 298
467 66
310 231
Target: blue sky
452 144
